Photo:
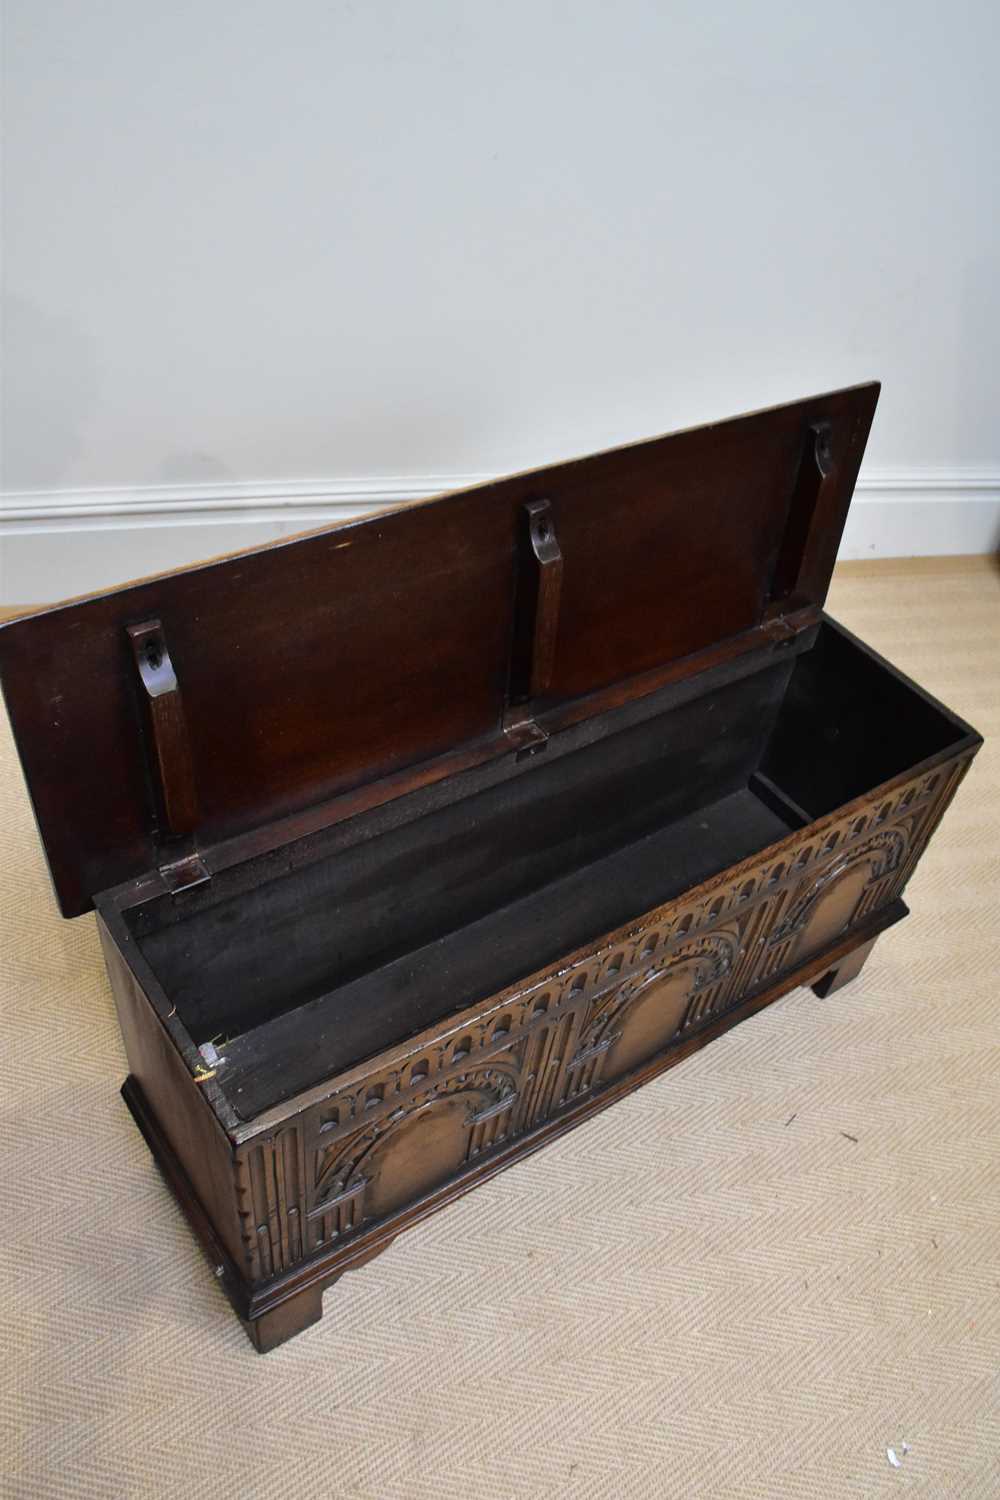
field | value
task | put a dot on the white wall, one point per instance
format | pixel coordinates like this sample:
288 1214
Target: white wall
259 252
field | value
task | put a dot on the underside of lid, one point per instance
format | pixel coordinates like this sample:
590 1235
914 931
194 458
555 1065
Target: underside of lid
166 716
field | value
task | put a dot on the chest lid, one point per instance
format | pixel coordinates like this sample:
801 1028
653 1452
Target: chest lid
157 721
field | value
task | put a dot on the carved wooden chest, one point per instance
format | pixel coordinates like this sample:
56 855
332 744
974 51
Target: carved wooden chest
416 841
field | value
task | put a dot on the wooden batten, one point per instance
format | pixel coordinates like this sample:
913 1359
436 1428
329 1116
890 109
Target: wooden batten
352 662
174 812
538 586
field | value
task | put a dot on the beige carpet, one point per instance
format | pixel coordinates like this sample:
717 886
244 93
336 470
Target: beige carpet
754 1306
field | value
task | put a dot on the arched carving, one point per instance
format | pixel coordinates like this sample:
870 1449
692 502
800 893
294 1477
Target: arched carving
502 1068
415 1148
827 906
642 1017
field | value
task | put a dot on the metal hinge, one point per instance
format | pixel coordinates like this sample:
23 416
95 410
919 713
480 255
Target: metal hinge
525 736
779 630
182 874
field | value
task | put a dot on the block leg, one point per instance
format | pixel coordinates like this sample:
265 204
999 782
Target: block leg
842 972
286 1320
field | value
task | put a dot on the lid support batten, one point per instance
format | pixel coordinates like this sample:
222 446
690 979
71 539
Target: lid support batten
171 764
536 625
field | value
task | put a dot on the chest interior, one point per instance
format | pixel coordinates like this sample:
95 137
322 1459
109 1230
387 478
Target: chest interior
415 912
326 794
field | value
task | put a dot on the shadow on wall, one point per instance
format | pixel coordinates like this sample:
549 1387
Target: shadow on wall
50 390
188 466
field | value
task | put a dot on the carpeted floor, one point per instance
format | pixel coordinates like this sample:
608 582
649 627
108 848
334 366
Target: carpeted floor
760 1307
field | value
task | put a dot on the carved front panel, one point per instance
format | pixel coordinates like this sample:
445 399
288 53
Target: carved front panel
429 1112
639 1018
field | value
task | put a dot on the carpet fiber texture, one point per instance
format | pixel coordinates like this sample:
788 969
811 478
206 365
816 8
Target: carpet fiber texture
751 1279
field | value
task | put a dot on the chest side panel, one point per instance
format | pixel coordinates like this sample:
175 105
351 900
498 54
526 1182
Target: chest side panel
184 1117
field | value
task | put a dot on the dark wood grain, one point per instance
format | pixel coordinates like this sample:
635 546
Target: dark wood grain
167 729
329 662
417 842
291 1301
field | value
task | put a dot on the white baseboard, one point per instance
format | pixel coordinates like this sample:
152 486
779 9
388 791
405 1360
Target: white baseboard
57 543
924 513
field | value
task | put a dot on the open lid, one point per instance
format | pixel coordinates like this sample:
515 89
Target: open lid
161 718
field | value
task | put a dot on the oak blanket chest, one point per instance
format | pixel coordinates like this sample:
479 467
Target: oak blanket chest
415 841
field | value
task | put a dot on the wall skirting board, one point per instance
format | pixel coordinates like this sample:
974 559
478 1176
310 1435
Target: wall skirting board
57 543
